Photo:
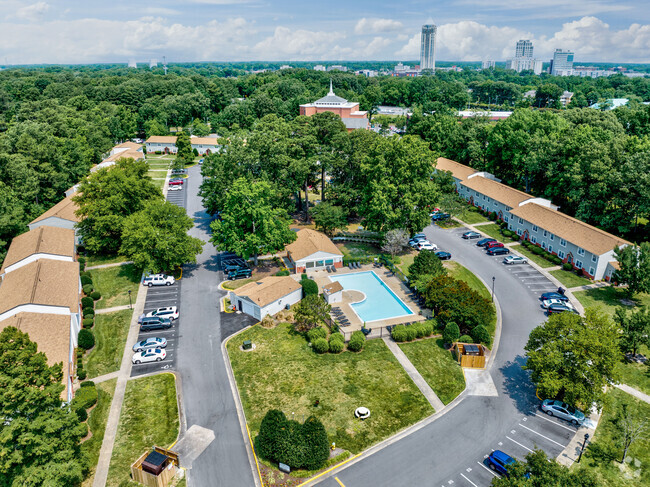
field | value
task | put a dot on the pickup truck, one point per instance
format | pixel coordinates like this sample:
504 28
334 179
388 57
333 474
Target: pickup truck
158 280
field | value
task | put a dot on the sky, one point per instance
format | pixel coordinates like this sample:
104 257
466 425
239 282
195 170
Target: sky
101 31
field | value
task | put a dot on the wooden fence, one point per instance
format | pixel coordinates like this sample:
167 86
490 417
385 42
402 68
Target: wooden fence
151 480
470 361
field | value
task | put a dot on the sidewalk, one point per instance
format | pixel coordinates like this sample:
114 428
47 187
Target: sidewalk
633 392
571 452
110 310
410 369
105 377
104 266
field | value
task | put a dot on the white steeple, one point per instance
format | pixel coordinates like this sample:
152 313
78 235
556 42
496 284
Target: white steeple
331 89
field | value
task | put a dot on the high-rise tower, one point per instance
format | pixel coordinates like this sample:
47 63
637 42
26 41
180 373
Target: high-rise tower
524 48
428 47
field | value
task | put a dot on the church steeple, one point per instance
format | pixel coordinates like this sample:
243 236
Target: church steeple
331 89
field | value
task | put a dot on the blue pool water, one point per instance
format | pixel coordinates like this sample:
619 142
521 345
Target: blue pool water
380 304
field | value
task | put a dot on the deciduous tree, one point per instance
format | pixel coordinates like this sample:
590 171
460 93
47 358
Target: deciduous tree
634 327
328 217
395 241
310 312
634 267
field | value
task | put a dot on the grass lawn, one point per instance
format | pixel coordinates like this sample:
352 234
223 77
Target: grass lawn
636 375
97 423
604 454
356 250
114 283
537 259
159 182
284 373
405 261
472 217
92 260
437 366
149 417
237 283
493 231
570 279
110 331
608 298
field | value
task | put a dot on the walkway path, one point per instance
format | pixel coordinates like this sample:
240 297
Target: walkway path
114 308
634 392
595 285
104 266
410 369
105 377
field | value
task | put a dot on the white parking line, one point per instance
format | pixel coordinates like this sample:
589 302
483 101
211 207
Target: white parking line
545 437
572 430
496 475
517 443
468 480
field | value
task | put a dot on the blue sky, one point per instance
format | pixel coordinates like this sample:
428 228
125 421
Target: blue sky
58 31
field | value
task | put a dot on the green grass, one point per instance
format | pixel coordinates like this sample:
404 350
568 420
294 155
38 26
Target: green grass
92 260
570 279
149 417
97 423
537 259
356 250
609 298
406 261
493 230
114 284
111 330
437 367
472 217
634 374
284 373
598 457
237 283
159 182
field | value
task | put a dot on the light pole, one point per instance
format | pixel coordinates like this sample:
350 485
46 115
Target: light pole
583 446
493 279
130 304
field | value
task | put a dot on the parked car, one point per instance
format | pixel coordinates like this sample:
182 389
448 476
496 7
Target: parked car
553 295
240 274
234 264
491 245
563 411
170 312
176 187
440 216
200 161
442 255
155 323
498 251
153 342
426 245
548 302
500 462
470 235
484 241
179 171
177 178
175 182
158 280
416 240
515 259
560 308
419 236
151 355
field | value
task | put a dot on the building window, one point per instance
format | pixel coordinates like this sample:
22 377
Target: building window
510 227
534 228
563 242
309 265
591 271
478 194
552 237
550 248
581 251
579 264
543 245
545 232
521 220
488 200
506 218
534 239
329 262
483 197
594 258
519 232
561 254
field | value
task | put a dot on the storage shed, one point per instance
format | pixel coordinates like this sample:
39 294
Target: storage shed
333 292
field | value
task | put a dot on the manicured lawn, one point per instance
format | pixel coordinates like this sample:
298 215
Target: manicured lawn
114 284
237 283
159 182
608 298
110 331
570 279
149 417
437 366
357 250
92 260
284 373
97 424
604 453
537 259
472 217
405 261
493 231
636 375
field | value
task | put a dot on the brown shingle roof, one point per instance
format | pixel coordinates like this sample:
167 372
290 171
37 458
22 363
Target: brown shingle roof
497 191
50 332
457 170
579 233
45 282
41 240
203 140
128 145
162 139
64 209
126 154
268 289
333 288
309 242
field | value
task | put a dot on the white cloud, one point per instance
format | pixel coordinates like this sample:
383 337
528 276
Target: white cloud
301 44
32 12
372 26
551 8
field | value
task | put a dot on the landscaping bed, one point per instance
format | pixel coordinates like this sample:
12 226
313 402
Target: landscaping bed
149 417
537 259
437 366
285 373
111 330
97 419
570 279
114 283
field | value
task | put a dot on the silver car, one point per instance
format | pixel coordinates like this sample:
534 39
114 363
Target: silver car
515 259
152 342
563 411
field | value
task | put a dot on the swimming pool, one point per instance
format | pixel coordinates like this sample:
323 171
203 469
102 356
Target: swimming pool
380 302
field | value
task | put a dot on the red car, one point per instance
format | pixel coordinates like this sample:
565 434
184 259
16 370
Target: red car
176 182
492 245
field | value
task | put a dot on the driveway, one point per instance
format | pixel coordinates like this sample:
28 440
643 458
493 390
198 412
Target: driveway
451 451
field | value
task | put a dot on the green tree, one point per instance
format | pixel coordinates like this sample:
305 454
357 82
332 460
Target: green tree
48 434
573 358
315 438
634 327
634 267
395 241
311 312
328 217
250 224
426 265
451 333
107 197
184 154
156 238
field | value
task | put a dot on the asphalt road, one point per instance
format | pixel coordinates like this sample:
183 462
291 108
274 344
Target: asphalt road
207 399
451 451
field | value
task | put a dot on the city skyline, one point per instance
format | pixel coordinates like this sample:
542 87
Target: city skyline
270 30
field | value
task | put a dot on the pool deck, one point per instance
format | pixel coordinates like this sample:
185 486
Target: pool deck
321 278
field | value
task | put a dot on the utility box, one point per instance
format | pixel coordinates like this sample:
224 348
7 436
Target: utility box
284 468
247 345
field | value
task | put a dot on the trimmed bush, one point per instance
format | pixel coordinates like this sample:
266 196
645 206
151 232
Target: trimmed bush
81 414
303 276
317 449
567 267
88 288
85 398
356 342
466 339
480 334
316 333
95 295
309 287
85 279
88 313
81 260
88 322
283 272
427 328
451 333
87 302
88 383
86 339
336 346
398 333
411 333
84 273
556 260
337 337
320 345
82 266
81 374
538 250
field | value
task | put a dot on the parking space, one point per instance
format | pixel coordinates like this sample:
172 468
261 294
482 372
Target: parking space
177 195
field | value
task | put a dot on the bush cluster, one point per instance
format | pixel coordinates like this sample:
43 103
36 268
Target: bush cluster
283 272
315 333
81 414
357 341
466 339
337 343
481 335
95 295
320 345
535 249
309 287
88 313
451 333
85 280
88 322
86 396
88 288
407 333
86 339
297 445
567 267
87 302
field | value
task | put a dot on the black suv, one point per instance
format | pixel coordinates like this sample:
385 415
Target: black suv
240 274
484 241
230 265
155 323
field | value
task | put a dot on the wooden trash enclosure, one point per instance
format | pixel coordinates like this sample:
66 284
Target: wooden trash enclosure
160 466
470 355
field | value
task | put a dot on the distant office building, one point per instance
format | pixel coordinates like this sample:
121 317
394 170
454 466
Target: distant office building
320 67
523 60
488 64
337 67
133 64
153 63
402 70
591 72
368 73
285 66
562 63
428 47
524 48
566 97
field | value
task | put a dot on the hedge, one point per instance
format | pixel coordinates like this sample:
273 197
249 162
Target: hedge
88 288
320 345
466 339
81 260
81 374
86 339
85 398
316 333
451 333
81 414
567 267
88 322
95 295
87 302
88 312
85 279
87 383
309 287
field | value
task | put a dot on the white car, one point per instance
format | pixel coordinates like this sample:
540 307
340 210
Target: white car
158 280
515 259
151 342
170 312
174 188
150 355
426 245
548 302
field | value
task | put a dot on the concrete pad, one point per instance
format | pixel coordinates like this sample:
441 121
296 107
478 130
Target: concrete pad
195 440
479 382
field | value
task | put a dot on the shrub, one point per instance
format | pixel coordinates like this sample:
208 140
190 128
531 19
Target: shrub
399 333
303 276
427 328
88 288
85 279
356 342
309 287
95 295
195 152
451 333
419 329
556 260
466 339
567 266
88 313
492 216
514 236
81 374
87 302
82 266
283 272
336 346
411 333
81 414
337 337
88 383
538 250
480 334
87 322
81 260
85 398
317 449
316 333
86 339
320 345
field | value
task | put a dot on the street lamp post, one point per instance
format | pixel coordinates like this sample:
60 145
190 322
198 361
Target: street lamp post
130 303
493 279
583 446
